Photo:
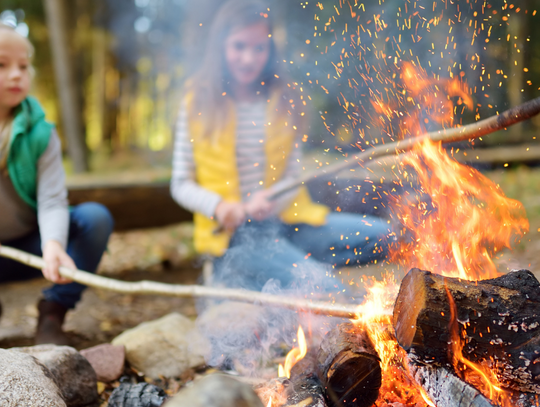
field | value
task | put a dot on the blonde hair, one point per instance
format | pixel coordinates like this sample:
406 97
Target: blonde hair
212 81
5 130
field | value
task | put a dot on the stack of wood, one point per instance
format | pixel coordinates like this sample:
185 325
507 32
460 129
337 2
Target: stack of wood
497 321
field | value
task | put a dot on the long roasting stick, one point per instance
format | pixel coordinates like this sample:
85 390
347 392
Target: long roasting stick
177 290
471 131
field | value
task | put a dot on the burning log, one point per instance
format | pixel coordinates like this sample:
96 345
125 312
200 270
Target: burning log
445 389
349 367
304 388
499 323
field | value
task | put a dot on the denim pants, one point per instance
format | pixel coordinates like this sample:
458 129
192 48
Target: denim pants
90 226
299 254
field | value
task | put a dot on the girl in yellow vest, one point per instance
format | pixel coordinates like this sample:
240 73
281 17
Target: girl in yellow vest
238 136
34 214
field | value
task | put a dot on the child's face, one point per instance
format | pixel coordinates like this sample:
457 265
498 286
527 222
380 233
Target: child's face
14 69
246 52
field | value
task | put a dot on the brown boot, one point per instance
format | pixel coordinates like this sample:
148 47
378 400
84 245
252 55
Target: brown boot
49 326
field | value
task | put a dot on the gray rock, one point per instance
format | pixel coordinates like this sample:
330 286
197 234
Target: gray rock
216 390
71 371
26 382
165 347
107 360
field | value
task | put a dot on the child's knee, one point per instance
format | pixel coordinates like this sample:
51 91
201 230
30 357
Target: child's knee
95 218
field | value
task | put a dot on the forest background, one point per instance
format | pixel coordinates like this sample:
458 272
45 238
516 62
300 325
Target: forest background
124 63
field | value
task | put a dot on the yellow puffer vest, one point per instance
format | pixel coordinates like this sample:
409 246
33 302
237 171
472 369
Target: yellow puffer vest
216 170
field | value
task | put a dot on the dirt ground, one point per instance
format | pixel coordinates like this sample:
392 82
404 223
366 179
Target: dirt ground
166 255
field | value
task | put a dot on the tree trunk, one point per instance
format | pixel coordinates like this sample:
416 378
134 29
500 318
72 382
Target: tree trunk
67 89
349 367
499 323
517 29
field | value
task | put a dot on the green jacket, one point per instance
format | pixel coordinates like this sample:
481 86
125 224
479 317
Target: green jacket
30 136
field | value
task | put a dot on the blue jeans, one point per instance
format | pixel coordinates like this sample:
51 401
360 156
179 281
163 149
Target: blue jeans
90 226
300 255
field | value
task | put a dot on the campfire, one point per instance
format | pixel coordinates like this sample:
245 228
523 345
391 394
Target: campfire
460 334
455 332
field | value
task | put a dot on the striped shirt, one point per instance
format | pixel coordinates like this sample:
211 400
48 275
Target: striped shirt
250 158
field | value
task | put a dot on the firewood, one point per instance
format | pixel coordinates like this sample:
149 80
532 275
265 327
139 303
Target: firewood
349 367
445 389
498 322
304 388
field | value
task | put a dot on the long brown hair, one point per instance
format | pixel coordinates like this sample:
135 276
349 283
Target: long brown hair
210 87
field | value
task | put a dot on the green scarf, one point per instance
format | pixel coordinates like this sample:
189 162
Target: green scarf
30 135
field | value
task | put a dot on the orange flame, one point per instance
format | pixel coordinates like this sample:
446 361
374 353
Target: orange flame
468 220
421 100
294 355
374 314
459 219
454 225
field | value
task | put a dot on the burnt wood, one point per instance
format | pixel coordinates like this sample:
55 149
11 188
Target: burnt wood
349 367
304 388
498 321
133 206
445 389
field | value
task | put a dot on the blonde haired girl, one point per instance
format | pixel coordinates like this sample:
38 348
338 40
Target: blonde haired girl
33 198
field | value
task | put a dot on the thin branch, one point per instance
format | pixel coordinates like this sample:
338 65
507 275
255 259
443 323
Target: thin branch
177 290
471 131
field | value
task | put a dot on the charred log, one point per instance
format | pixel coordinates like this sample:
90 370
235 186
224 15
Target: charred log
304 389
498 319
349 367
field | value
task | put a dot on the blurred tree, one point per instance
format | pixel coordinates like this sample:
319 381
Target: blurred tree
56 14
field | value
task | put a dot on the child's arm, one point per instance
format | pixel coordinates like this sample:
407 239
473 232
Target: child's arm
184 189
52 211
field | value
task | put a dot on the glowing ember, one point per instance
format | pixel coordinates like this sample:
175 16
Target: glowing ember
273 394
426 399
294 355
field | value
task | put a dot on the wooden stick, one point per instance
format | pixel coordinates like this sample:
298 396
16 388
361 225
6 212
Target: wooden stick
177 290
471 131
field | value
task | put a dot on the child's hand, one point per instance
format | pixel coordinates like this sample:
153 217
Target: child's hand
259 207
230 215
55 256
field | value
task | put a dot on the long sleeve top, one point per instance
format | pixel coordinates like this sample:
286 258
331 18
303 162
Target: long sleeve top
250 158
17 218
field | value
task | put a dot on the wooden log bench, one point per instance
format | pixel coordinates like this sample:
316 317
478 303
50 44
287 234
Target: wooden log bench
135 205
